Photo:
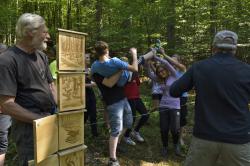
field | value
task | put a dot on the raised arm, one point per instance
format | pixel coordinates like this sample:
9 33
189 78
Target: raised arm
180 66
150 72
170 68
134 66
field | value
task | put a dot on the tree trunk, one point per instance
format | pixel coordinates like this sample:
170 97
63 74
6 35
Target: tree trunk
213 19
171 21
99 7
78 15
69 14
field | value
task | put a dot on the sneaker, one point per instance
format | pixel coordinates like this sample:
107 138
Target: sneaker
137 136
113 162
129 141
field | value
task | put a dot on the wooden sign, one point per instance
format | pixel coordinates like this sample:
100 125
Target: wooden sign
71 91
71 131
74 156
51 160
45 137
71 50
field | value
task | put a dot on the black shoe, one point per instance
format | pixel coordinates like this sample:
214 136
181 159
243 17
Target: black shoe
113 162
164 152
177 150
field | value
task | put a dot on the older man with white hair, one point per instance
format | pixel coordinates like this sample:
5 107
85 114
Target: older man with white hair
222 117
26 92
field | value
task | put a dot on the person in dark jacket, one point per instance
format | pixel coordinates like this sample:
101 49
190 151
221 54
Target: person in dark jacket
222 117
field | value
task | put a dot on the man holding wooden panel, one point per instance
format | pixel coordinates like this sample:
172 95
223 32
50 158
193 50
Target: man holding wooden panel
26 92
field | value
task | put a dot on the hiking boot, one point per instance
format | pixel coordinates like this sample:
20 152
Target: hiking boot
129 141
164 152
137 136
113 162
177 150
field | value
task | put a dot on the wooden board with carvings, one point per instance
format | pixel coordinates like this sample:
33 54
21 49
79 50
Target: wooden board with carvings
71 91
71 130
73 156
45 137
70 50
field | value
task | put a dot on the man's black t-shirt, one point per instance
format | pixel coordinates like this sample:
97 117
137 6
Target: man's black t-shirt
27 78
110 95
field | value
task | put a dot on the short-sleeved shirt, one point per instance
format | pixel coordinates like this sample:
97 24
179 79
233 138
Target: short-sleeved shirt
26 77
110 67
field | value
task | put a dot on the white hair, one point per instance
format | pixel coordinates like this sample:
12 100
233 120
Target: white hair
28 22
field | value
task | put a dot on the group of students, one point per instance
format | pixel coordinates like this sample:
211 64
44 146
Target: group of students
118 82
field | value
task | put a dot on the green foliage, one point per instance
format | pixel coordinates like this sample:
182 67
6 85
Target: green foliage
138 23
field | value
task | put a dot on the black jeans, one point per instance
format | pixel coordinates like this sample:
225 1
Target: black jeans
169 120
137 105
5 123
91 113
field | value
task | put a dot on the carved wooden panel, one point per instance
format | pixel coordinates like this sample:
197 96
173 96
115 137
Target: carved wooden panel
72 157
45 137
52 160
71 50
71 131
71 91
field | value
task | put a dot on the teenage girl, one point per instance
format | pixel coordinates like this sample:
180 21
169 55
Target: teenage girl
169 107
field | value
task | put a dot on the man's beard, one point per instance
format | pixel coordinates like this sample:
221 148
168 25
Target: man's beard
39 45
43 46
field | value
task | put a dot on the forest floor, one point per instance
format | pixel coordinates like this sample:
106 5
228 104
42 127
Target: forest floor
143 154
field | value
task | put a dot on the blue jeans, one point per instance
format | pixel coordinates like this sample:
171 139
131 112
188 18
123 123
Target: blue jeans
120 115
5 123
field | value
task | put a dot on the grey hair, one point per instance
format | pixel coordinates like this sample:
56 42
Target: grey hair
28 22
